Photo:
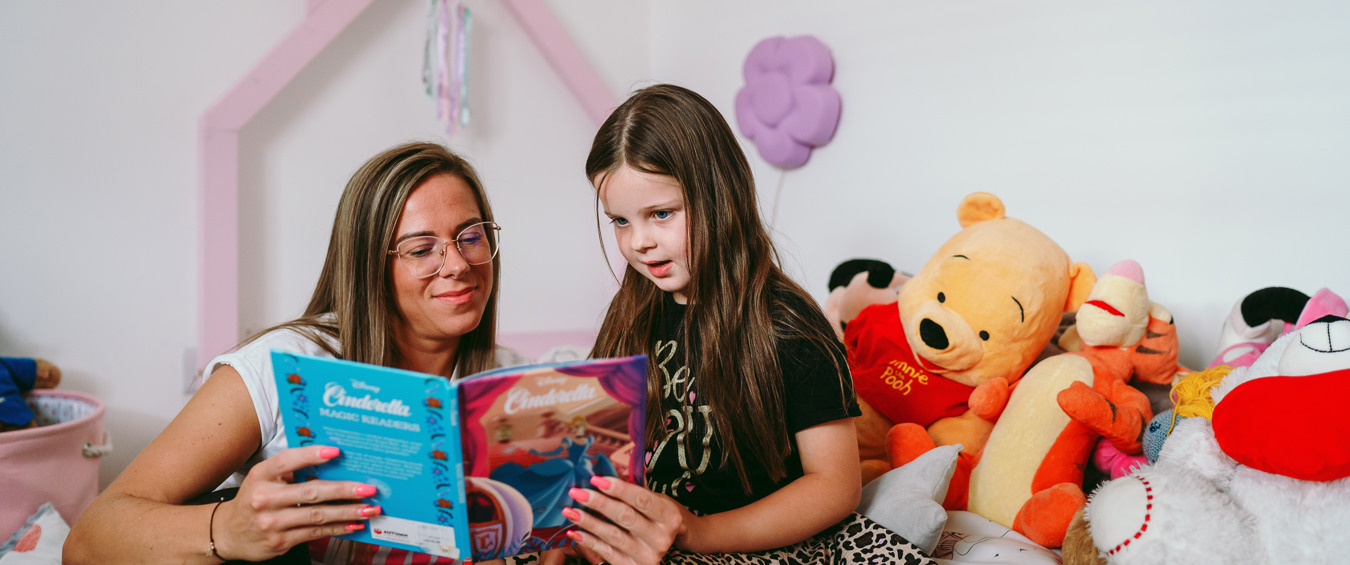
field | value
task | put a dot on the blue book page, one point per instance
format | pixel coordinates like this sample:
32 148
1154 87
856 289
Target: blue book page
398 431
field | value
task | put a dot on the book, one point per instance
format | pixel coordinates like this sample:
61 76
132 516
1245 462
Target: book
474 469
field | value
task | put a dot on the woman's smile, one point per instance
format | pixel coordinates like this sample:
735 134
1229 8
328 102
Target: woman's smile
461 296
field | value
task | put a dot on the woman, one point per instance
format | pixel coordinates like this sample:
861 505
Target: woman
410 281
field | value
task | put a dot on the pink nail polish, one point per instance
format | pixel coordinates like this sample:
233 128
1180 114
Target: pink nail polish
355 527
600 482
364 491
370 511
579 495
327 452
571 514
575 535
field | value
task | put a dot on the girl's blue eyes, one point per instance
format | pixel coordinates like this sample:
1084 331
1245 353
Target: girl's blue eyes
659 214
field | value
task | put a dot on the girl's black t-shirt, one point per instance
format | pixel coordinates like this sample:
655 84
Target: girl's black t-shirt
684 463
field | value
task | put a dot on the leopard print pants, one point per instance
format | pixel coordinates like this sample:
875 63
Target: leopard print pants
856 539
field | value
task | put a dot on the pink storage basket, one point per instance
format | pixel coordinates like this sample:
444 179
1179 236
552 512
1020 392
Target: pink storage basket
55 462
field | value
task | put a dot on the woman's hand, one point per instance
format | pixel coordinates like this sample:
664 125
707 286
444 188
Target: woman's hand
143 516
271 514
642 525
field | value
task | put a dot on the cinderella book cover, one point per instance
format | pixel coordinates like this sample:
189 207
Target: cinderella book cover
484 462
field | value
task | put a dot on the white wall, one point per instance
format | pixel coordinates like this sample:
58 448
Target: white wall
1203 139
528 137
1200 139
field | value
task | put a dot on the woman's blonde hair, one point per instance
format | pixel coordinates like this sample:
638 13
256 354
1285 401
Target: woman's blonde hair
353 302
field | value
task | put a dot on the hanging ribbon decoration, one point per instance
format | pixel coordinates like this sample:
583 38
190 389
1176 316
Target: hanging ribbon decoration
445 63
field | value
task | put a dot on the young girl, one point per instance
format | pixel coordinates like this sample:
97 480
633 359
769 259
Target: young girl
750 443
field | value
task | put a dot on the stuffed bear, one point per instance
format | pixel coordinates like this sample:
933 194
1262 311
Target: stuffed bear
934 367
17 376
1263 479
1030 475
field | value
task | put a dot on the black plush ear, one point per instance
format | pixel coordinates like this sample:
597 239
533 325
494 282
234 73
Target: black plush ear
1273 303
1329 319
879 273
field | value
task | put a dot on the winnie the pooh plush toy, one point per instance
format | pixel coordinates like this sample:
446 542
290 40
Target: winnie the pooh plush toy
935 367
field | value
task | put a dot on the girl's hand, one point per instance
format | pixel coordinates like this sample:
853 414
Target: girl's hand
271 514
642 525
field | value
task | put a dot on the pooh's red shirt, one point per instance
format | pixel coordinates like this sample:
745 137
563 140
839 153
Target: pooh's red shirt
888 377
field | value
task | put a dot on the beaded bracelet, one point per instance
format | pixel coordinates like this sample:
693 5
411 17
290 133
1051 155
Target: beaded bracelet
211 534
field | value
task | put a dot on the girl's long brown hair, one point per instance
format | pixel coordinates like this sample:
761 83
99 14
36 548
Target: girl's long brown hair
355 285
736 287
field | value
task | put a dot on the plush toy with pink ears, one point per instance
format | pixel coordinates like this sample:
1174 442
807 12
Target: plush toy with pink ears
1268 313
1262 480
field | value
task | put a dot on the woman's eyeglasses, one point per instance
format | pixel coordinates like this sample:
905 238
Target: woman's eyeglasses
425 255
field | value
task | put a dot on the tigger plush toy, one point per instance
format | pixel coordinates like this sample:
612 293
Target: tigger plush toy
1030 474
1133 345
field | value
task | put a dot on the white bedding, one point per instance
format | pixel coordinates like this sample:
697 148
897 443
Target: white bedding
970 538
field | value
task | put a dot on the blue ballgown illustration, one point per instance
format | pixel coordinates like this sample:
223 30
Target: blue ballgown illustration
545 484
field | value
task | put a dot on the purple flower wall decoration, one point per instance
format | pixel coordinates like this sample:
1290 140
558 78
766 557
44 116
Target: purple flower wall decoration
787 105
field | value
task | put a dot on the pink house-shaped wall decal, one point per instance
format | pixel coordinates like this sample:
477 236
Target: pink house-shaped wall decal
218 138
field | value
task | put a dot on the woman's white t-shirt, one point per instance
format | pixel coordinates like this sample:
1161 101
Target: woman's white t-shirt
253 362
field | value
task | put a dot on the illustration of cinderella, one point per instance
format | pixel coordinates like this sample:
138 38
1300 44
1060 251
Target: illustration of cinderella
545 484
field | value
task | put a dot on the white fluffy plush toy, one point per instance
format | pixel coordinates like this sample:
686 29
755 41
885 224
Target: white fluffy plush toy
1263 481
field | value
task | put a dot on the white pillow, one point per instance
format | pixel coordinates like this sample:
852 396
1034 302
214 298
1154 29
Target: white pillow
39 541
908 499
